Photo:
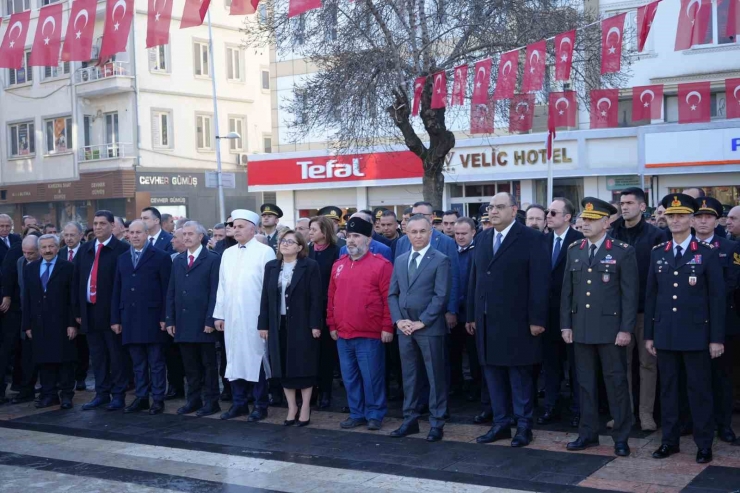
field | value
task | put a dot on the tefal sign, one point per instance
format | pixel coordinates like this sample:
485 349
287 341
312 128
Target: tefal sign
335 169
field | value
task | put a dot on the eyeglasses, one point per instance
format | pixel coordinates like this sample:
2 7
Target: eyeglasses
229 225
500 207
288 242
552 213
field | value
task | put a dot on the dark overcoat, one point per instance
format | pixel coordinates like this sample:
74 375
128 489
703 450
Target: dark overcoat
191 296
729 258
164 242
556 281
48 314
303 312
507 293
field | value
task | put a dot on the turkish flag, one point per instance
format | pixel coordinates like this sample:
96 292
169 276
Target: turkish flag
507 70
80 27
194 12
158 23
604 108
482 81
645 17
418 89
118 17
733 19
439 90
243 7
612 30
564 54
732 97
562 109
694 102
534 67
458 86
647 102
693 23
481 117
14 41
297 7
48 40
521 113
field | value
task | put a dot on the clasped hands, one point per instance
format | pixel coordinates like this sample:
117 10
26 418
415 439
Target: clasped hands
408 327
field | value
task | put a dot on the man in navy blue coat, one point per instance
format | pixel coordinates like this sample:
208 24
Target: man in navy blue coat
191 298
139 302
507 310
95 269
156 235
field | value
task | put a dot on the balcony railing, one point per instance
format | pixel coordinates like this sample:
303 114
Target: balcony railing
100 152
111 69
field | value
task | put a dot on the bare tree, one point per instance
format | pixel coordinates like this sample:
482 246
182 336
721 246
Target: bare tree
363 56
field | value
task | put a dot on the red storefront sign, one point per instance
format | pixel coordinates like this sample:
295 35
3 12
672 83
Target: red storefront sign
333 169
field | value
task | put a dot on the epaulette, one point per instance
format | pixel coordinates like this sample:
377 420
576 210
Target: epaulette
661 245
708 245
622 244
574 243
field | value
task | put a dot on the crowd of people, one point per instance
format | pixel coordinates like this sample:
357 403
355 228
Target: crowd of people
503 307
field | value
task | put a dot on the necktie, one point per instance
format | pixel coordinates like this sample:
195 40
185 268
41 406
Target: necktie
45 275
136 258
592 255
497 243
94 276
71 255
7 241
556 252
190 264
151 240
678 253
413 267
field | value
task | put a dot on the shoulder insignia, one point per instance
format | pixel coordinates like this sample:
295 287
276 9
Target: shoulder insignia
667 244
623 245
583 243
709 245
694 245
736 258
608 245
574 243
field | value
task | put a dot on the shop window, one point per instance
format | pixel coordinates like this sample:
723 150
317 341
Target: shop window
725 195
456 190
23 74
22 141
58 133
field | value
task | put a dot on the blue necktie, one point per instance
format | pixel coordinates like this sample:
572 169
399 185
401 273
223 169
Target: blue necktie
136 258
497 243
45 275
556 252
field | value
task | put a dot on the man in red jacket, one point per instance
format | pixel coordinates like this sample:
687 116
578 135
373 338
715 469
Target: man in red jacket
358 319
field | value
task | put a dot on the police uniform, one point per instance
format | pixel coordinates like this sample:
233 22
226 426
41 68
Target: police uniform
684 313
272 209
334 213
599 300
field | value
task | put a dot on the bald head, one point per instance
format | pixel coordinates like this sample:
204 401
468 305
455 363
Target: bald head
733 221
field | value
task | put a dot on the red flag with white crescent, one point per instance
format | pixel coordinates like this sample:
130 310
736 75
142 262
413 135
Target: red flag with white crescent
118 17
564 54
645 17
694 102
604 108
14 41
562 109
158 23
732 96
694 18
298 7
647 102
194 12
612 31
481 117
521 113
439 90
482 81
80 28
418 89
48 40
507 70
243 7
458 86
534 67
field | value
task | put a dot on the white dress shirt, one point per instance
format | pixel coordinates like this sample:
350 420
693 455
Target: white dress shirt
562 240
684 246
156 237
97 242
422 252
502 233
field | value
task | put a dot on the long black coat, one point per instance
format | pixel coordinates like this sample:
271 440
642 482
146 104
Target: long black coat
139 296
729 258
106 275
14 238
303 314
9 277
191 296
325 259
512 288
48 314
556 281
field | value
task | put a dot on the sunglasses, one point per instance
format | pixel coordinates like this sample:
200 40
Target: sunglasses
552 213
229 224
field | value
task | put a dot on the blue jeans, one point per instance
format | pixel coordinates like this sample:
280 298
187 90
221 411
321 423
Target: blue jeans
363 371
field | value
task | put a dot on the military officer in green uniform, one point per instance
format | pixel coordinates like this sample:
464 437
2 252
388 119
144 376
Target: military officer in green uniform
271 215
598 312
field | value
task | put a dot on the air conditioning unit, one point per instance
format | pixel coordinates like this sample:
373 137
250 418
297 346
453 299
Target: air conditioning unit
242 159
85 75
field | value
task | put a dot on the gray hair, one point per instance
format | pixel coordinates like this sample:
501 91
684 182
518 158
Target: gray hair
261 238
139 221
198 227
119 220
419 217
181 222
31 240
220 226
5 216
302 219
50 237
76 225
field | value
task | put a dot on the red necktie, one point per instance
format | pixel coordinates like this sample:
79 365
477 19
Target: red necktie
190 264
94 276
71 255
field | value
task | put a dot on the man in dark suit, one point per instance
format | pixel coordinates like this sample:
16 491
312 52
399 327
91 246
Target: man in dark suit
95 269
8 331
271 215
598 312
49 323
157 236
191 298
555 351
138 312
7 239
685 325
507 309
417 298
72 236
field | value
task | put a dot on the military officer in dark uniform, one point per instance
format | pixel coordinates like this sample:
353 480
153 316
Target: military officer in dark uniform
598 312
335 214
685 324
437 218
271 215
705 222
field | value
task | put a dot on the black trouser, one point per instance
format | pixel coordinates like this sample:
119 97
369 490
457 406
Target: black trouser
393 364
30 372
9 335
57 377
460 341
201 371
722 384
222 362
83 358
327 358
699 389
175 368
109 362
554 354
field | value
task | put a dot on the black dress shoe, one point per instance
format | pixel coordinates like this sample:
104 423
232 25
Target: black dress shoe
208 409
622 449
47 402
325 401
374 425
225 397
21 398
139 404
435 434
235 411
97 401
80 385
157 408
259 415
726 435
190 407
422 409
483 418
66 404
581 443
174 393
345 409
406 429
301 424
665 451
547 418
575 422
522 438
350 423
118 403
704 456
495 433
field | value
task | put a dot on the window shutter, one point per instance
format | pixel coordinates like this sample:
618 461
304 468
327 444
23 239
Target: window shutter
32 138
11 77
156 131
47 72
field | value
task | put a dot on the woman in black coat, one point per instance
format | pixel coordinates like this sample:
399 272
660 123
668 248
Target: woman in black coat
290 317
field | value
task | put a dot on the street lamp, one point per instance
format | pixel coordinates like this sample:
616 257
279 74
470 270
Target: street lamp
219 178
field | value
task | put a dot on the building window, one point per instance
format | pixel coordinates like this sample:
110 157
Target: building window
266 80
200 59
236 124
162 129
203 134
717 107
233 64
23 74
55 72
15 6
86 130
49 2
22 139
159 59
58 134
267 144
